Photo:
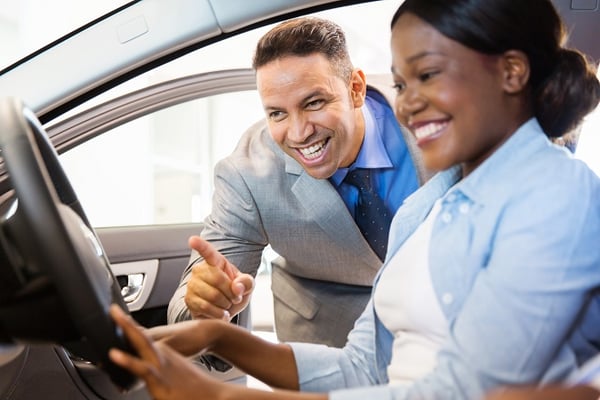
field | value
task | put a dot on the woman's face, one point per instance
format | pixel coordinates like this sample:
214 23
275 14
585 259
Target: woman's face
452 98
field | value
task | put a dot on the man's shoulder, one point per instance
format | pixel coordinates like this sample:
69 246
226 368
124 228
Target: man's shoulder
255 152
256 141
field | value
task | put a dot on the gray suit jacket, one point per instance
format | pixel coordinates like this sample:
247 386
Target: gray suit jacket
322 280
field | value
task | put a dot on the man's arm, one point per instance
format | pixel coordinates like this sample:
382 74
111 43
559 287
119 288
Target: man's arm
235 229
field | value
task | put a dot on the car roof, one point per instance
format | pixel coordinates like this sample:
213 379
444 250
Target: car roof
133 39
146 33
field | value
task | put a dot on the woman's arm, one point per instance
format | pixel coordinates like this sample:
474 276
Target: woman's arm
580 392
169 375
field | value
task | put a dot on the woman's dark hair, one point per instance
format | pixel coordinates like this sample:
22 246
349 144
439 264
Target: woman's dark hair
303 37
563 83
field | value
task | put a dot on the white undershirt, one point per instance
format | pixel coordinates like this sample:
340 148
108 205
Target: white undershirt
407 306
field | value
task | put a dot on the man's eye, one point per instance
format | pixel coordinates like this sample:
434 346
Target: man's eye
276 116
315 104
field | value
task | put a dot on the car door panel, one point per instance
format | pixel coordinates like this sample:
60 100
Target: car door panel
136 250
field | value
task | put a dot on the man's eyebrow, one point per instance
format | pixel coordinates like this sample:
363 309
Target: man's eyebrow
271 108
314 93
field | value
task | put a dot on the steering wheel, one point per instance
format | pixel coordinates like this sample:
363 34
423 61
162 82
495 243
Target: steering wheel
57 285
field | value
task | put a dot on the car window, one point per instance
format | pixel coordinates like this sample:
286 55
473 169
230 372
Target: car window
157 169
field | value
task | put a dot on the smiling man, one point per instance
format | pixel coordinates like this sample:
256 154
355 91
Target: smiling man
289 184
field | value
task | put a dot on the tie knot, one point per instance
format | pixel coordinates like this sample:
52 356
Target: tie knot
360 178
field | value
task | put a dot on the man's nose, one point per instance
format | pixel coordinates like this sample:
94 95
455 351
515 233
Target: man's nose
299 128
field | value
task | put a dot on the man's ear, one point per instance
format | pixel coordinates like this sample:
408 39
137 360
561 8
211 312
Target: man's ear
358 87
516 71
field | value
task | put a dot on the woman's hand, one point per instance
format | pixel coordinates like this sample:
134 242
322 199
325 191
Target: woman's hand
168 374
188 338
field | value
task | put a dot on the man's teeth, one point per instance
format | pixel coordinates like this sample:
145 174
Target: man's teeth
429 129
313 151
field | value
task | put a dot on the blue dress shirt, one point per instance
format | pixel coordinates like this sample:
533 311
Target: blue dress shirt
514 256
385 153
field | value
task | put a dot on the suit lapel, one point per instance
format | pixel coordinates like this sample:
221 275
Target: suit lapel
322 201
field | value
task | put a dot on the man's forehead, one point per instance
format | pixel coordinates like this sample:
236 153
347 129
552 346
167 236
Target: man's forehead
297 81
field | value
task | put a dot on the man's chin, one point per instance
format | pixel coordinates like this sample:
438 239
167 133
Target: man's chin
319 173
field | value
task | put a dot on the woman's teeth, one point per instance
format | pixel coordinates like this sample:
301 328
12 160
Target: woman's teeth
429 129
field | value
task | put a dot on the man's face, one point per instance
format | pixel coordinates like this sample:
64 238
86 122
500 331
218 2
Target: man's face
313 114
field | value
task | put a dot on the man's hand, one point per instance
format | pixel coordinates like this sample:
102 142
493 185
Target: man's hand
216 289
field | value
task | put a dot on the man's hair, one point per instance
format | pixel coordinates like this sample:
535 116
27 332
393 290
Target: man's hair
303 37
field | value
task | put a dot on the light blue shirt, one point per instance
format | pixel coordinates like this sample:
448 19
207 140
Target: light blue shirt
514 254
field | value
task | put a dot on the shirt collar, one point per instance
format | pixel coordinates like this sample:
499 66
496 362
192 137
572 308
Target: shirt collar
372 153
528 139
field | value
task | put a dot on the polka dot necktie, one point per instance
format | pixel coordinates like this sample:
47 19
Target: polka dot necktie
371 214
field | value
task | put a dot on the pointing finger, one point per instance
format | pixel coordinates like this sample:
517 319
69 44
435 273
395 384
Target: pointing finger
212 255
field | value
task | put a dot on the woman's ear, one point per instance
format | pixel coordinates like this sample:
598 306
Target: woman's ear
358 87
516 71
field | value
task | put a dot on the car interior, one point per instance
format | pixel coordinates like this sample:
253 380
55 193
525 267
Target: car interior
59 269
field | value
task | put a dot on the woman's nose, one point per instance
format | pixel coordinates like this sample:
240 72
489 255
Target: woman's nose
410 102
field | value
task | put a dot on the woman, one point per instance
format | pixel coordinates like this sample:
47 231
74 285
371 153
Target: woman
489 284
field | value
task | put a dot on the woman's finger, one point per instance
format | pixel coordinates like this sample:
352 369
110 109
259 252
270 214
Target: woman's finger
135 335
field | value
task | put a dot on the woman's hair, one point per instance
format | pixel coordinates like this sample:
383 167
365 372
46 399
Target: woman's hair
303 37
563 83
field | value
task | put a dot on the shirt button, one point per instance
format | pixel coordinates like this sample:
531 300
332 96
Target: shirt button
446 217
447 298
464 208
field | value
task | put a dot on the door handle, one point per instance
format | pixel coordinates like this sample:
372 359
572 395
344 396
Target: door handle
133 287
136 280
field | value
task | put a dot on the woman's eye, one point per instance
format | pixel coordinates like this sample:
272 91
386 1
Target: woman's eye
399 87
427 75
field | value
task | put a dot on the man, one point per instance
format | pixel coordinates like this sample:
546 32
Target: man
284 185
